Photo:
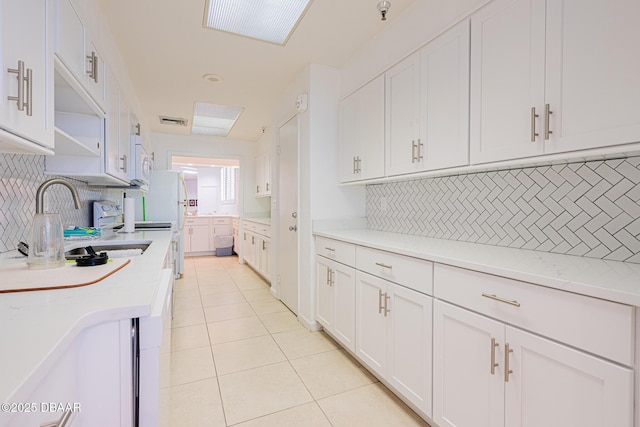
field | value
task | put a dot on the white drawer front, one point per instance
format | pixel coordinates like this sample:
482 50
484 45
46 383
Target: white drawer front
341 252
264 229
221 221
601 327
196 221
413 273
250 226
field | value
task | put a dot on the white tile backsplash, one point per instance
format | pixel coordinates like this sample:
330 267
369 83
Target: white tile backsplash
20 177
589 209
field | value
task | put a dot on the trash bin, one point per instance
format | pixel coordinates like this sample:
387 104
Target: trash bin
224 245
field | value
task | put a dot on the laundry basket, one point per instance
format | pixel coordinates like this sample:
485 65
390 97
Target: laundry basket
224 245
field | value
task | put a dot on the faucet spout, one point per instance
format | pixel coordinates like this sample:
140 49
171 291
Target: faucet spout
45 185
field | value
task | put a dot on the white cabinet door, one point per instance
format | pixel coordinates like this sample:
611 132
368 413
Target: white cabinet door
69 38
466 393
348 137
199 238
325 309
94 75
593 73
361 133
263 252
444 94
557 386
124 139
402 117
410 345
371 322
507 80
26 34
344 290
113 126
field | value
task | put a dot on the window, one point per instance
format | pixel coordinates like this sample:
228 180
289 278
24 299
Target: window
228 185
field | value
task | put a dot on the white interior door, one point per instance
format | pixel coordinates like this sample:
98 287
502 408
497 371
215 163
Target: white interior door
287 257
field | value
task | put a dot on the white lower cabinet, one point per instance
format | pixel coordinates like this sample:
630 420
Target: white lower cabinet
336 298
256 247
488 373
393 336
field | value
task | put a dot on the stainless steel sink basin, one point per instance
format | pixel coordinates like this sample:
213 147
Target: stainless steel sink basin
103 246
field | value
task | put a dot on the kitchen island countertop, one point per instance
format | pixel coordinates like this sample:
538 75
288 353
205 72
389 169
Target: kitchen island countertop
37 327
610 280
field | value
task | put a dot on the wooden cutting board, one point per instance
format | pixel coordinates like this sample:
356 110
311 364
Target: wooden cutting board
17 277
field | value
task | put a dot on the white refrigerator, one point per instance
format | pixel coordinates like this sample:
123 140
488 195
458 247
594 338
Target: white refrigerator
165 201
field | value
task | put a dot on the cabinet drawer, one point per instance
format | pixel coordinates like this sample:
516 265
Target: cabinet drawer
263 229
250 226
341 252
220 221
601 327
413 273
221 230
196 221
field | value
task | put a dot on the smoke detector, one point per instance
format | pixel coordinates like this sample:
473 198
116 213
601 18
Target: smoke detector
173 121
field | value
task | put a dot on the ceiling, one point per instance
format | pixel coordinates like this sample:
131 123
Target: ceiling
168 51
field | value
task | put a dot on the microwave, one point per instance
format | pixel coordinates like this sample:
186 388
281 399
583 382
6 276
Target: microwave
143 168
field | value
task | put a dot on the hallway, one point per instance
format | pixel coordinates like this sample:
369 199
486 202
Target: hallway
239 357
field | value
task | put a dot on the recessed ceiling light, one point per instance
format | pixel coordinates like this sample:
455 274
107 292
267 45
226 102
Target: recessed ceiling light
213 119
271 21
212 78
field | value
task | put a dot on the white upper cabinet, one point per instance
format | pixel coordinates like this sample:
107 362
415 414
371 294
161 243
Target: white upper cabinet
507 80
444 99
427 106
402 117
361 133
550 77
263 174
26 86
75 49
593 73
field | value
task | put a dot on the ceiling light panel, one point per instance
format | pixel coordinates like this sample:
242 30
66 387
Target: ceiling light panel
213 119
269 20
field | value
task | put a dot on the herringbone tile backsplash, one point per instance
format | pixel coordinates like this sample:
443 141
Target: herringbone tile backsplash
20 176
589 209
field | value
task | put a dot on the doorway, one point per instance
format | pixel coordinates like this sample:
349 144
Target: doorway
212 184
288 213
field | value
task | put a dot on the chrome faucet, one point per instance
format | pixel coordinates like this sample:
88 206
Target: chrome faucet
43 187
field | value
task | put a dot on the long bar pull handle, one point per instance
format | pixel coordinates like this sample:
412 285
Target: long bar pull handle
507 370
355 168
380 305
124 163
29 102
547 113
497 298
93 70
534 116
413 152
359 163
420 145
494 344
383 265
386 304
328 272
20 74
330 249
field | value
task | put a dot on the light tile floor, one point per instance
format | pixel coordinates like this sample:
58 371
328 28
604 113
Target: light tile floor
239 357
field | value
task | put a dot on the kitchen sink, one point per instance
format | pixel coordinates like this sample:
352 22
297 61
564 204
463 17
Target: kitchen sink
105 247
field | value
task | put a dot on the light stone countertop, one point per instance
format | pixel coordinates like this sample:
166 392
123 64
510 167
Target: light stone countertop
37 327
609 280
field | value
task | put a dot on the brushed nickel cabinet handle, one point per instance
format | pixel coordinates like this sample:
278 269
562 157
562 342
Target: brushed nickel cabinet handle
497 298
93 70
21 79
507 370
420 146
534 116
29 95
494 344
330 249
547 125
383 265
124 163
386 304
